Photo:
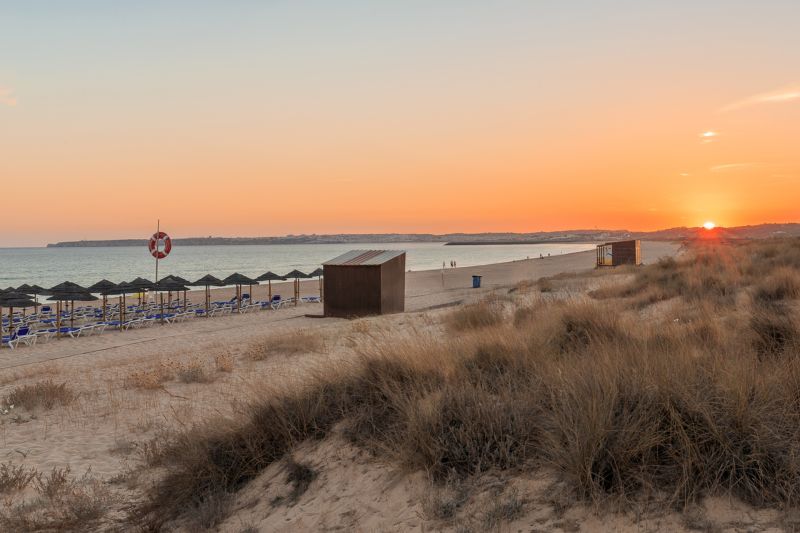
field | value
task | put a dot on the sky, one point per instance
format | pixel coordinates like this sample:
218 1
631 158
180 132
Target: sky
251 118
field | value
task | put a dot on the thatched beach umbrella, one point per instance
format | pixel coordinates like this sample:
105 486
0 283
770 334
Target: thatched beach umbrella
170 286
65 287
72 297
122 289
269 277
104 288
180 281
11 300
207 281
143 285
25 290
239 280
318 273
37 291
297 275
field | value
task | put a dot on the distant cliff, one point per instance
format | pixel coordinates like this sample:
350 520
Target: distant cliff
579 235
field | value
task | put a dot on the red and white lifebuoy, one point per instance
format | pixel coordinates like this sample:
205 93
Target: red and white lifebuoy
155 241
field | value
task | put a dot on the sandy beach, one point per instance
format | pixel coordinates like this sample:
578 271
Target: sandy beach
425 290
127 392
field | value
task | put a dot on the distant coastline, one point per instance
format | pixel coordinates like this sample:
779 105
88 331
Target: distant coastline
759 231
447 239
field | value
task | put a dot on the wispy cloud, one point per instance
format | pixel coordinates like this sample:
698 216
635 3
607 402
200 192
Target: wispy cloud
732 166
708 136
7 97
785 94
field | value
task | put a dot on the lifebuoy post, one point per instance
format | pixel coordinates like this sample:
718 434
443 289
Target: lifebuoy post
155 241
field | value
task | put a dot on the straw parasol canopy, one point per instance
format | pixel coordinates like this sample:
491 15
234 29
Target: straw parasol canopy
16 299
179 280
38 291
12 299
318 273
297 275
122 289
239 280
103 287
168 285
65 287
34 290
71 296
142 284
269 277
207 281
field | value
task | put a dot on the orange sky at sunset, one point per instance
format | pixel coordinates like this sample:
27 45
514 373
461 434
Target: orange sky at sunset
239 119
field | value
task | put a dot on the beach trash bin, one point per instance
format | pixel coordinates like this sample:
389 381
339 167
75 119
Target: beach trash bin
476 282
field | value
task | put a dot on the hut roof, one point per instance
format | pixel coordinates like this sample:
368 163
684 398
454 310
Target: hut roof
364 257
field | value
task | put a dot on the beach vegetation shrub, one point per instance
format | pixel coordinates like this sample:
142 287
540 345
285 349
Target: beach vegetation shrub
45 394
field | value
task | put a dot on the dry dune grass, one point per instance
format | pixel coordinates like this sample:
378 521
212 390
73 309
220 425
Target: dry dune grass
292 343
45 394
61 503
487 312
676 408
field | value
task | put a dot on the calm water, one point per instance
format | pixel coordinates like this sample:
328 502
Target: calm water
49 266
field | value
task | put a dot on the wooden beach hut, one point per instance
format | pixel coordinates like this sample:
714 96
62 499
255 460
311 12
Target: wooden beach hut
365 282
619 253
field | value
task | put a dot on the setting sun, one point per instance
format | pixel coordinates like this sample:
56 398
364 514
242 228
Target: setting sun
709 225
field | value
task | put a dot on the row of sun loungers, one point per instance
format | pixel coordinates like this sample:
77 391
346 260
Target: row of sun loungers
43 325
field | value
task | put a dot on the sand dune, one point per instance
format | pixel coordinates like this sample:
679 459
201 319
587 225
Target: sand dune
122 400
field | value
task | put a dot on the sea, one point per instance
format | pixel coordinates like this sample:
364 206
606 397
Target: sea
47 267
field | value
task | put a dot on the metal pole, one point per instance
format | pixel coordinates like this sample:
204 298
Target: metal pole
158 230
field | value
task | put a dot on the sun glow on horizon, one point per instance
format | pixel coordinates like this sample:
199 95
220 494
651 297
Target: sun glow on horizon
709 225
